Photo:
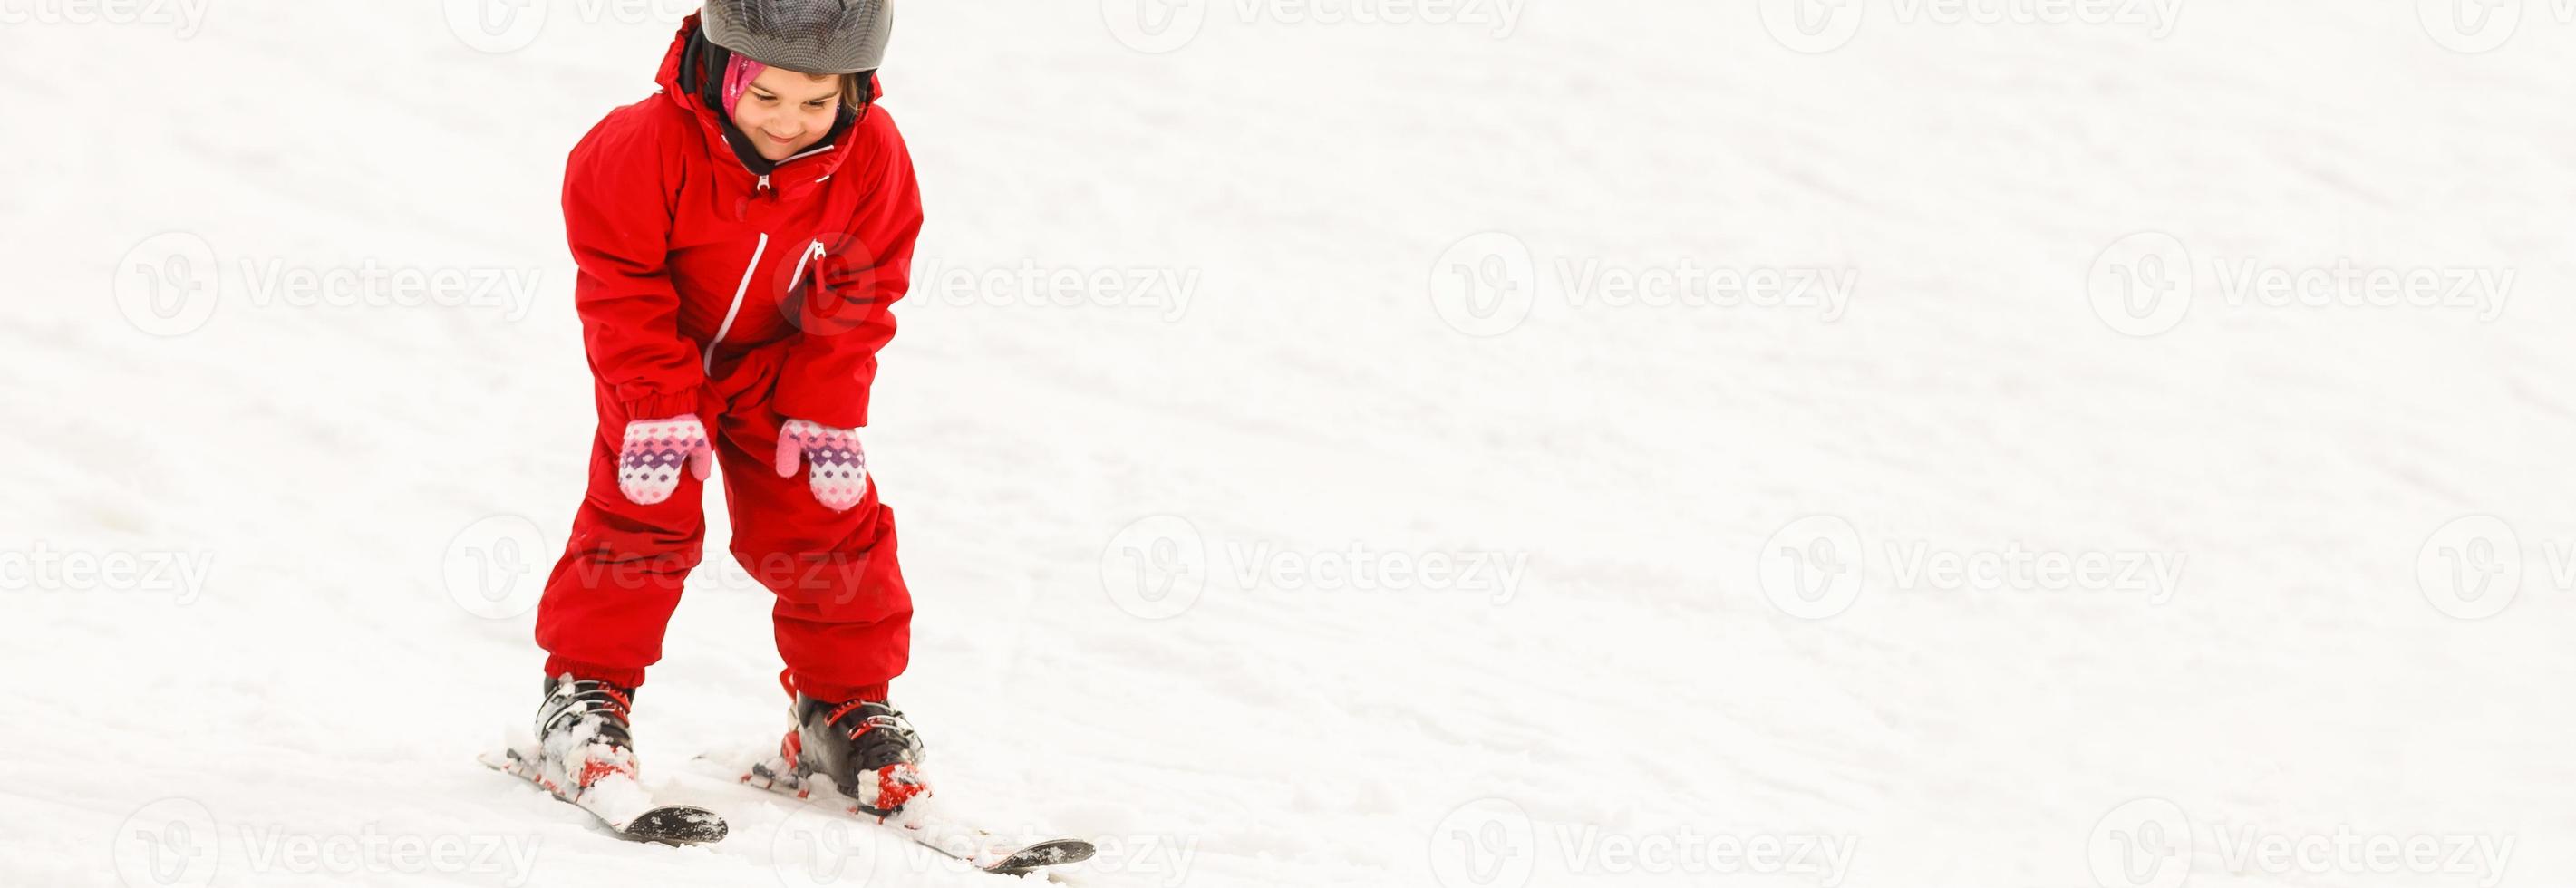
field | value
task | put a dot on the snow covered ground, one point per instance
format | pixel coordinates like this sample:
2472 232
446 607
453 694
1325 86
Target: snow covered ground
2054 476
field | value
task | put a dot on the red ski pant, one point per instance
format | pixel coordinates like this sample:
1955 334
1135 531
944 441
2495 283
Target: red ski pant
843 617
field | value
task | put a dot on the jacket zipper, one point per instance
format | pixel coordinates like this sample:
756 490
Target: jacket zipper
813 251
763 184
708 359
709 365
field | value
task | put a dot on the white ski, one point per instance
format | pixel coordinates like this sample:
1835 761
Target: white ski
920 822
617 800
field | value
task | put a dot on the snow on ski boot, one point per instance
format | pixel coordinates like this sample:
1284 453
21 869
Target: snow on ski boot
867 749
583 736
585 755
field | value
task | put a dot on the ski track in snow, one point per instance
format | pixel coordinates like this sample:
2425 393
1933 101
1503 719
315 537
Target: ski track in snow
319 462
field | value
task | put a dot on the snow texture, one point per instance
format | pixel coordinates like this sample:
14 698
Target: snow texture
1236 553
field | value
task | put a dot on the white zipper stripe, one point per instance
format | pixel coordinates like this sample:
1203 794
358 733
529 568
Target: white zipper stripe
738 290
812 249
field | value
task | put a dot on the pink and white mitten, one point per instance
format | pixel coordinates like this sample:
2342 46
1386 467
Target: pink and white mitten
839 469
648 466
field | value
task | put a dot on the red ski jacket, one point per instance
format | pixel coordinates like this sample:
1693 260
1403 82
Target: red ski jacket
688 260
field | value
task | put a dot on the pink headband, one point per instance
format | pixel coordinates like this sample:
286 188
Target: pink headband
739 74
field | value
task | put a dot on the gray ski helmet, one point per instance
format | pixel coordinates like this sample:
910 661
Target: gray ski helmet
812 36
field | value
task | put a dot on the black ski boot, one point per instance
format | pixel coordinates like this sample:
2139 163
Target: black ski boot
585 754
583 735
866 747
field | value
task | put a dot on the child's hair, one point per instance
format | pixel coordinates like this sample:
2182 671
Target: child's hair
857 90
702 71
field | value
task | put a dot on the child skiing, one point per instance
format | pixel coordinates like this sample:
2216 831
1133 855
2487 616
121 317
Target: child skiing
740 238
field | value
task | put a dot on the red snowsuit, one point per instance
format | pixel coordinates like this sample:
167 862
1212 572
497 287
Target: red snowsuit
747 300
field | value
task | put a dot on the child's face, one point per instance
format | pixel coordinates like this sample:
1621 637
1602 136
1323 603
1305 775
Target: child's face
784 112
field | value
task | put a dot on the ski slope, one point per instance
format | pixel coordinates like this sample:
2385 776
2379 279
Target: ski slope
1897 561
